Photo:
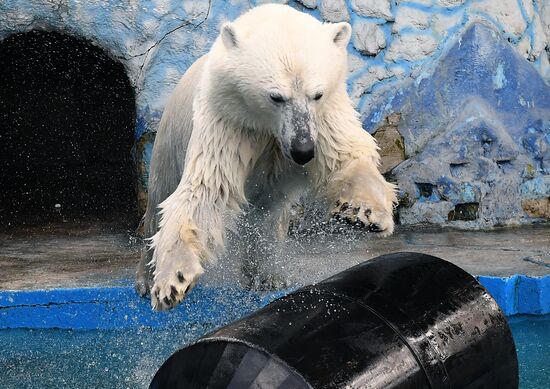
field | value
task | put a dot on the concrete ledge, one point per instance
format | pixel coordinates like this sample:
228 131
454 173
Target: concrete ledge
120 307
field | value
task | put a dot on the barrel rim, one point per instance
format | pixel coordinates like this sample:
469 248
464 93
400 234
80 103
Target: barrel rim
227 339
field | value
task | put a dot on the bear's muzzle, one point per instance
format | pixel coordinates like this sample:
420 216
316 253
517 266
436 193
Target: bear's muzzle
302 150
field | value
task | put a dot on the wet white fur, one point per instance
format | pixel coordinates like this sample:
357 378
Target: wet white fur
222 135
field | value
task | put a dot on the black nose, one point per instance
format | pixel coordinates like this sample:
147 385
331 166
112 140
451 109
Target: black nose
302 152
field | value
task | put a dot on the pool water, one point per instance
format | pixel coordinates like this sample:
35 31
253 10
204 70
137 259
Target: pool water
129 358
532 337
54 358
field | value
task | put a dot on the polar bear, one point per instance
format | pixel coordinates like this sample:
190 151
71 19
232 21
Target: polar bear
263 117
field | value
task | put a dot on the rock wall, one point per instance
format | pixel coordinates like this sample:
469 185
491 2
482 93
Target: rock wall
155 40
476 132
456 88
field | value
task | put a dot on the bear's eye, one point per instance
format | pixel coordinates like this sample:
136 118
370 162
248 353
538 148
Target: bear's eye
277 98
318 96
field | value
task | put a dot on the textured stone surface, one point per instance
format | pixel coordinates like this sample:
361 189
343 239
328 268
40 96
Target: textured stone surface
545 17
472 134
364 83
537 208
373 8
419 2
540 39
450 3
390 141
355 63
524 46
426 213
506 12
544 66
368 37
538 187
411 47
334 11
407 17
443 23
528 8
311 4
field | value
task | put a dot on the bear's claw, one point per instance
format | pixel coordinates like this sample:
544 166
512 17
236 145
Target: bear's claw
167 297
171 288
361 217
181 278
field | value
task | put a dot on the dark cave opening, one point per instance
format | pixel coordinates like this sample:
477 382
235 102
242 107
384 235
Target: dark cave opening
67 118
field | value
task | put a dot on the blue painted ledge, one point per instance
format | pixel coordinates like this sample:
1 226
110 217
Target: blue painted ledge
120 307
520 294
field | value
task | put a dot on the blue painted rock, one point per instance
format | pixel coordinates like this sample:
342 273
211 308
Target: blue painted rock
476 131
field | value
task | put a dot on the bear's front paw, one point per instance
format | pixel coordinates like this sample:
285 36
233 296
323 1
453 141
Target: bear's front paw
174 279
359 214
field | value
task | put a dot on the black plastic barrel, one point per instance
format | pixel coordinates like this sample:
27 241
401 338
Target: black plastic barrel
403 320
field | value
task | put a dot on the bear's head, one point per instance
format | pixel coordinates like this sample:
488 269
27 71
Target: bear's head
275 69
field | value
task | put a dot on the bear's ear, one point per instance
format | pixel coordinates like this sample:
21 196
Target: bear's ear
229 38
341 34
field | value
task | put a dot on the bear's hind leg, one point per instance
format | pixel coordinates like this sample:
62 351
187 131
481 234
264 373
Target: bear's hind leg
260 250
144 274
265 228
